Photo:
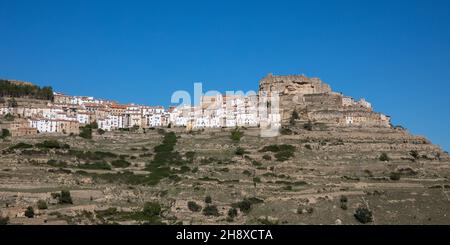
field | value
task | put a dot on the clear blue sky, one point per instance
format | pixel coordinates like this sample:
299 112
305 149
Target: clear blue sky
396 54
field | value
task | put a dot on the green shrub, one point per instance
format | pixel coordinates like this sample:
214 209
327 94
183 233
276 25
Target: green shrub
101 131
384 157
308 126
95 166
4 220
86 132
236 135
245 206
20 146
308 146
41 204
152 209
190 156
120 163
5 133
278 148
246 172
240 151
52 144
395 176
364 215
267 157
194 207
65 197
286 131
211 210
208 200
56 164
284 155
256 180
232 213
29 213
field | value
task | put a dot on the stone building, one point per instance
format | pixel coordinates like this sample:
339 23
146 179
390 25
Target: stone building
18 127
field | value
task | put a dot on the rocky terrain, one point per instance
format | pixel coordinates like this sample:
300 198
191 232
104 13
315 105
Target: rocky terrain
311 174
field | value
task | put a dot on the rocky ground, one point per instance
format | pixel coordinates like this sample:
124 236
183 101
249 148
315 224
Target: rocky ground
323 176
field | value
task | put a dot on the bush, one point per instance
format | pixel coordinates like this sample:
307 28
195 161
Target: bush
245 206
52 144
41 204
97 165
208 200
395 176
240 151
194 207
308 146
278 148
29 213
152 209
308 126
232 213
4 220
236 135
286 131
101 131
211 210
20 146
120 163
246 172
267 157
284 155
364 215
190 156
5 133
86 132
65 197
384 157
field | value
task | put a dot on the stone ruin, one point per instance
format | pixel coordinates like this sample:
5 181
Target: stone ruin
314 101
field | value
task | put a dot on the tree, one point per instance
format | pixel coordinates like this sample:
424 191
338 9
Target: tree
42 204
384 157
208 199
364 215
236 135
194 207
152 209
29 213
395 176
86 132
4 220
12 103
211 210
5 133
65 197
232 213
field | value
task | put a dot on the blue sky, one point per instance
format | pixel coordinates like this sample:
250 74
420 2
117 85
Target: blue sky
396 54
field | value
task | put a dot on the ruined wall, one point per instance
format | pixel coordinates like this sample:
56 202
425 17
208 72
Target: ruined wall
314 101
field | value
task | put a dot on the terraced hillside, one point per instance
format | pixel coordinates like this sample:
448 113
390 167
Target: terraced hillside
316 176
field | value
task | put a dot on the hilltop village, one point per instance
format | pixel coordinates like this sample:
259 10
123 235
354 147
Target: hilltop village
298 98
333 160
